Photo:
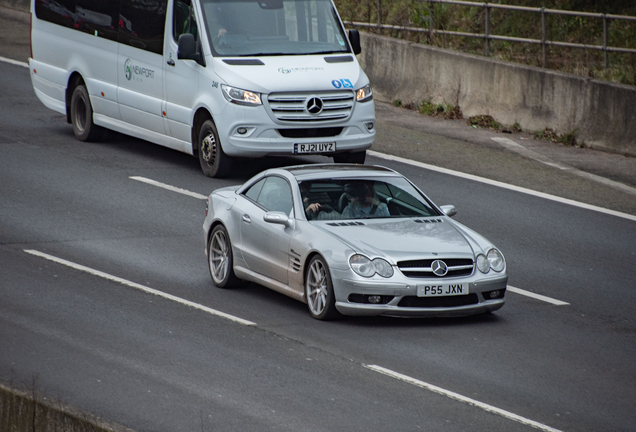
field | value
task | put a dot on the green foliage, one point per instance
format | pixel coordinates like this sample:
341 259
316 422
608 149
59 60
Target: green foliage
446 111
568 139
562 28
484 121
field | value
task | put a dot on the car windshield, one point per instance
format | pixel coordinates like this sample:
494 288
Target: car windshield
363 198
273 27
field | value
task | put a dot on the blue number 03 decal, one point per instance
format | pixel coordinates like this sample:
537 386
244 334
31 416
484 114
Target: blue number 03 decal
342 83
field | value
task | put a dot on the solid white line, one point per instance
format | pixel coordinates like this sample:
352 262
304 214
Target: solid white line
168 187
14 62
139 287
511 145
536 296
502 185
458 397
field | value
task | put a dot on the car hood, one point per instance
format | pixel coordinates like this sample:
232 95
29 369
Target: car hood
407 238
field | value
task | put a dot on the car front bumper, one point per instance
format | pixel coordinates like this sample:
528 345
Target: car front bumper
399 297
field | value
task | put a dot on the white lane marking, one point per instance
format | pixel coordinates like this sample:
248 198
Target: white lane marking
502 185
139 287
518 148
168 187
536 296
464 399
14 62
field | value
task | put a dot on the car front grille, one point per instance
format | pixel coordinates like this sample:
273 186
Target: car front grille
439 302
422 268
291 107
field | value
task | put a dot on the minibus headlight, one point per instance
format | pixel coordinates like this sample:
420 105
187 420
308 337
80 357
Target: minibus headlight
240 96
364 94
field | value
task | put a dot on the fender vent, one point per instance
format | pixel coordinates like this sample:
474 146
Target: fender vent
295 264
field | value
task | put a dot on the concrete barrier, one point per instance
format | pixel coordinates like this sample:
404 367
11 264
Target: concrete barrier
603 114
28 411
16 4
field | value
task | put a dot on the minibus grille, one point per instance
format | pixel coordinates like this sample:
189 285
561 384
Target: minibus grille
296 107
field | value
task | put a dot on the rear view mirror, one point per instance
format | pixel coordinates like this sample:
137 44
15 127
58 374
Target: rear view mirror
278 218
187 49
449 210
270 4
354 40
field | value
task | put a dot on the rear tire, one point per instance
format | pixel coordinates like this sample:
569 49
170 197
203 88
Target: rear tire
82 116
220 259
354 158
214 162
321 300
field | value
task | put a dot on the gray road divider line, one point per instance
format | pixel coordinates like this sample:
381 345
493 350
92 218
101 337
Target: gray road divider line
502 185
139 287
536 296
14 62
518 148
460 398
170 188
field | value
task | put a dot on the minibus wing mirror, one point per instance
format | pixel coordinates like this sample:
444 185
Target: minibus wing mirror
187 49
354 40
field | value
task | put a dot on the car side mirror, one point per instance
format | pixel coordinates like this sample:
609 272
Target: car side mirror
449 210
187 49
276 217
354 40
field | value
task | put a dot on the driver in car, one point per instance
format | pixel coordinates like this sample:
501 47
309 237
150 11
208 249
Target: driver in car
363 203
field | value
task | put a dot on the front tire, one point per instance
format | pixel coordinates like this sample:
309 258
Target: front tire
319 293
82 116
214 162
220 259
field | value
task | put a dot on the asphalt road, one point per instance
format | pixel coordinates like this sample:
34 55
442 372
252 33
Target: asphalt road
155 364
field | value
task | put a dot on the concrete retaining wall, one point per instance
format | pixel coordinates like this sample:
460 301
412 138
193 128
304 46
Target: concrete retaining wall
602 113
16 4
21 411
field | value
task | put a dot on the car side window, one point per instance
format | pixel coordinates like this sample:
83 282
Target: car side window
276 195
254 191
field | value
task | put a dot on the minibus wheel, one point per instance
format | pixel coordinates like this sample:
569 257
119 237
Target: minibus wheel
214 162
82 116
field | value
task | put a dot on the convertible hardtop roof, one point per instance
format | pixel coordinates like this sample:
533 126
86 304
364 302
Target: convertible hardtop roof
337 170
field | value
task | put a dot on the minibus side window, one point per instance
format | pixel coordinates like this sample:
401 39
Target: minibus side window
60 12
88 16
98 18
142 24
184 19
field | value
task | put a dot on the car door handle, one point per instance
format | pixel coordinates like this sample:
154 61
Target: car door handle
171 62
247 219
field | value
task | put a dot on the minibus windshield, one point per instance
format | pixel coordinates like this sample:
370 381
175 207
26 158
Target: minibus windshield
273 27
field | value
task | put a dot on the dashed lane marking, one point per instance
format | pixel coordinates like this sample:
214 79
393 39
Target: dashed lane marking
139 287
460 398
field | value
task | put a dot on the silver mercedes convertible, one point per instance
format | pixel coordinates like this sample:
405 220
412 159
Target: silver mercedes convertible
351 240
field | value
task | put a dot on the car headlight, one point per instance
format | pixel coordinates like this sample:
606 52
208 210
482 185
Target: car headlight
382 267
483 264
241 97
496 260
367 268
364 94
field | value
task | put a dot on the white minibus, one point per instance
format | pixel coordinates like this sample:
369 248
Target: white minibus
217 79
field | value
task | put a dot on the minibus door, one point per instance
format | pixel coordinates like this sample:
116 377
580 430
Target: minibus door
181 76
